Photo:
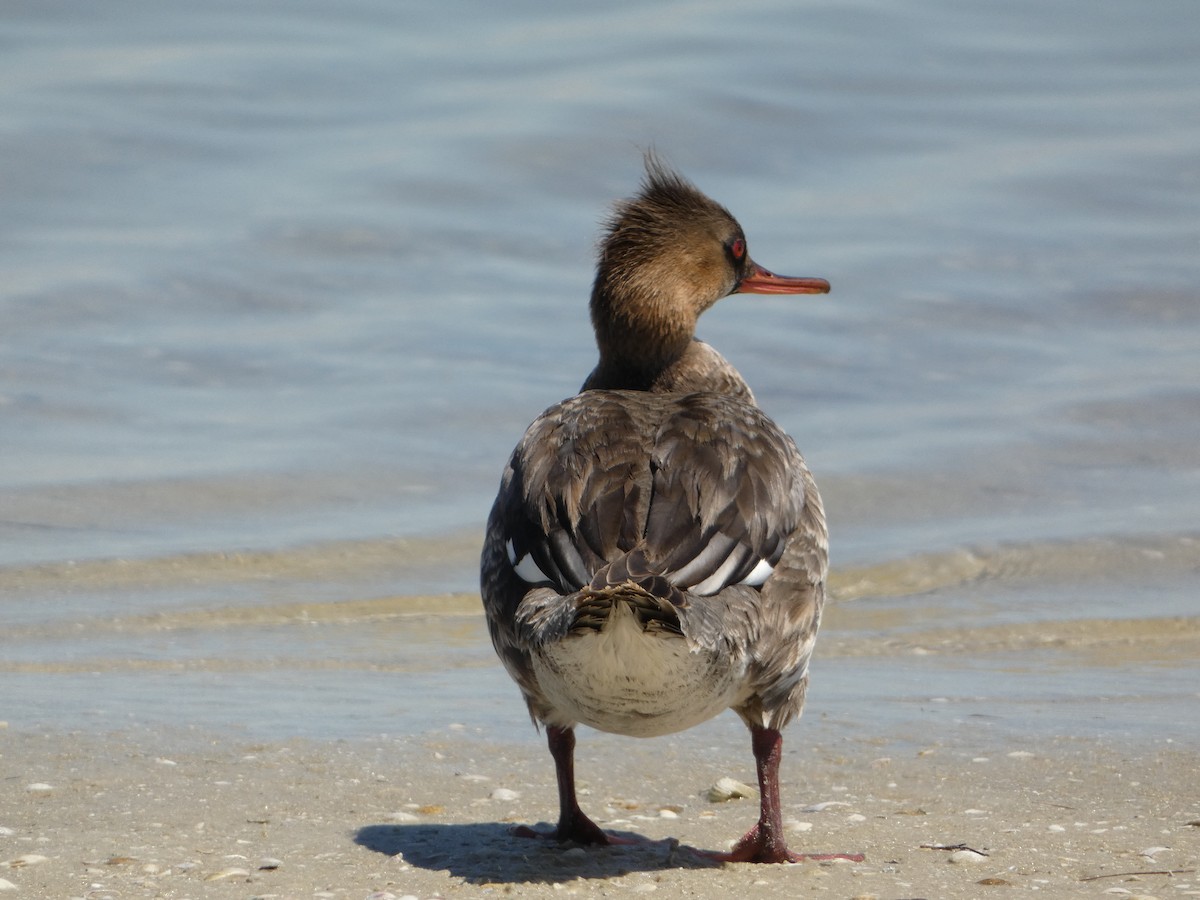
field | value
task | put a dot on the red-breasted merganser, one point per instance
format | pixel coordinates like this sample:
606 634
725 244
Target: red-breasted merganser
657 552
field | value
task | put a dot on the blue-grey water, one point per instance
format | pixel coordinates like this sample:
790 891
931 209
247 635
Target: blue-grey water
282 283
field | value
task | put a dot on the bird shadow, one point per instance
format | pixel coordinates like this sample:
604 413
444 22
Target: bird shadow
490 852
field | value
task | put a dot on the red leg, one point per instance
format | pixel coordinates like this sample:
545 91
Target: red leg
573 825
765 843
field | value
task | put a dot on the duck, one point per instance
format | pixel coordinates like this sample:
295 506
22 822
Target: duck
657 550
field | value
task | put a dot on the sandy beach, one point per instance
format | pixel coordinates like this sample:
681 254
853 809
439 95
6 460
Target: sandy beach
374 748
178 814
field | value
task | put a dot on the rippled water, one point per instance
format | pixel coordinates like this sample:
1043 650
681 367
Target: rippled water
282 284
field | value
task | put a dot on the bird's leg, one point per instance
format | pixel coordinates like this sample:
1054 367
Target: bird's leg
573 825
765 843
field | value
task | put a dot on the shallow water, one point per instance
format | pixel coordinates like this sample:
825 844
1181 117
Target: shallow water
282 285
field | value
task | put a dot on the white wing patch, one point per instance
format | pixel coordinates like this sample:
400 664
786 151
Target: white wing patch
529 572
759 574
719 579
716 580
526 569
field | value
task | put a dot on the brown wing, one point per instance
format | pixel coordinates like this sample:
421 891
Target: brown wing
705 486
699 498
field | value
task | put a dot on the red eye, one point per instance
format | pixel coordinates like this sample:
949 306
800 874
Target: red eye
738 248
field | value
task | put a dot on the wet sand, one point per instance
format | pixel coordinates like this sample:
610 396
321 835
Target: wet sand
240 750
175 814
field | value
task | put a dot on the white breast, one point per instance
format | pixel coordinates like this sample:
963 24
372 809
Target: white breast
623 680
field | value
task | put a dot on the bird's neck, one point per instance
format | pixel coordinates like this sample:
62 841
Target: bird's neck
641 333
698 368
